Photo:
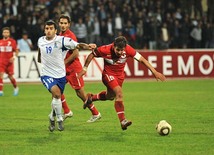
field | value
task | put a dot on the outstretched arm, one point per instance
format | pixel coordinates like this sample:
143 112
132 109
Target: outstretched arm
85 46
87 62
158 76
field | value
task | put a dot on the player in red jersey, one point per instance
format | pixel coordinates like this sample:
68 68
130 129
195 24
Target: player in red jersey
8 47
73 66
115 56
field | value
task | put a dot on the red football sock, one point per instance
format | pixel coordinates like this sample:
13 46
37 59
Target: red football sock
119 107
13 81
93 109
1 84
64 104
101 96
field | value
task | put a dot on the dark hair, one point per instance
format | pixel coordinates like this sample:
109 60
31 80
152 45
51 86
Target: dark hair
66 17
51 22
120 42
5 28
24 33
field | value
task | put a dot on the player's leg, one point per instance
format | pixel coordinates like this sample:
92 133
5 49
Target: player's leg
95 113
10 72
100 96
14 83
1 83
67 112
78 85
3 65
52 120
119 108
103 95
56 87
115 88
56 102
82 95
56 108
57 90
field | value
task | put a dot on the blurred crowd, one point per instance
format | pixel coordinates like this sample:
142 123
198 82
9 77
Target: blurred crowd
147 24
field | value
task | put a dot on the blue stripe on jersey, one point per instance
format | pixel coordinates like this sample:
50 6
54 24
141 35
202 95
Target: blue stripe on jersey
63 46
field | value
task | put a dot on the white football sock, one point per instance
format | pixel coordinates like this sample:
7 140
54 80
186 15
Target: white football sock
57 106
51 114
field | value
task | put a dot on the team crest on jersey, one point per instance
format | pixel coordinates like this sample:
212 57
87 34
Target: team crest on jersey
123 55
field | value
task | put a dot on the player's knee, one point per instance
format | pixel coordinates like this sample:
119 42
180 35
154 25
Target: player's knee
110 96
57 96
10 76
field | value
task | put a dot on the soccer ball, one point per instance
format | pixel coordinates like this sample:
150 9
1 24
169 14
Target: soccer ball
163 128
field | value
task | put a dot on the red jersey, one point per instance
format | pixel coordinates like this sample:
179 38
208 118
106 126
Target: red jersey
7 47
75 65
113 64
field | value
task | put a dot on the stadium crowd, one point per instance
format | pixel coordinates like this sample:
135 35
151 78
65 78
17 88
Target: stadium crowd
147 24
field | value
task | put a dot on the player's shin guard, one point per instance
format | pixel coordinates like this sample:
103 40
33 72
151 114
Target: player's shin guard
57 106
93 109
51 115
64 104
1 84
119 107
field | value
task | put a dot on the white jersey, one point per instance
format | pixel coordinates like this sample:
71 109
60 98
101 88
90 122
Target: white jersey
53 53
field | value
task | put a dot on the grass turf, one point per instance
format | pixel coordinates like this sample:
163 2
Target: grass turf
186 104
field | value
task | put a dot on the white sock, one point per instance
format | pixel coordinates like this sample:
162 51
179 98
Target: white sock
57 106
51 115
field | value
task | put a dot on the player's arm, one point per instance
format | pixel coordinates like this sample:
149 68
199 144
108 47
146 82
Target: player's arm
39 56
16 52
87 62
85 46
75 54
142 60
68 43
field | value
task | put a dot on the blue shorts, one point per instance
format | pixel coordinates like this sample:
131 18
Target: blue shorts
49 82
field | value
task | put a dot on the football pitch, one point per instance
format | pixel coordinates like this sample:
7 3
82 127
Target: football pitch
188 105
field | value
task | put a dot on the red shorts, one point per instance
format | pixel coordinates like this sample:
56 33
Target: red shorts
74 81
111 81
7 67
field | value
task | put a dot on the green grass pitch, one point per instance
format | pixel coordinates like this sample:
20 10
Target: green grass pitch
187 104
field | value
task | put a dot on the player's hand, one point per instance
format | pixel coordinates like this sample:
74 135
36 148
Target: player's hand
92 46
12 59
159 76
80 74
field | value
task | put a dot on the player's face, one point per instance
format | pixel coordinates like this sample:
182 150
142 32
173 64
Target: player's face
64 24
119 51
50 32
6 34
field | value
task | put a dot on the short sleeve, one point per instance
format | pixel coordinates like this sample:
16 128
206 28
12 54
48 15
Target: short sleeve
69 43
